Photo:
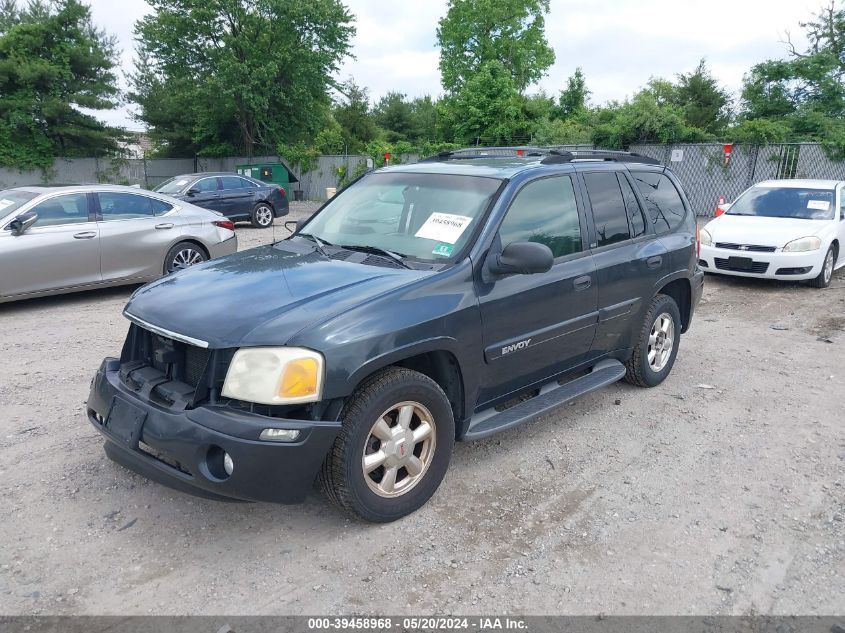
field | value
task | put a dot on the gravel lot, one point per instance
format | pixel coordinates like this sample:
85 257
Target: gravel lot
720 492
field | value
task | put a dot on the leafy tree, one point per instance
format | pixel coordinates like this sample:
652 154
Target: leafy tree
474 33
395 116
704 102
488 109
330 140
53 62
236 76
807 89
352 112
573 99
424 113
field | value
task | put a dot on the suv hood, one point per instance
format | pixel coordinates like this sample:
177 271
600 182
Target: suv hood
739 229
262 296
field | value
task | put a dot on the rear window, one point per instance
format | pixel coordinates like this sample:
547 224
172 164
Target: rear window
663 202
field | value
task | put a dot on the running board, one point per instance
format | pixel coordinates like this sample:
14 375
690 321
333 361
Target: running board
490 421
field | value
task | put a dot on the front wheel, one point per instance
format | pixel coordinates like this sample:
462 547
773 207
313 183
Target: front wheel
826 273
393 448
183 255
262 215
657 346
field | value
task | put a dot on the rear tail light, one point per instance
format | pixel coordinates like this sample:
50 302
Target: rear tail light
283 192
225 224
697 242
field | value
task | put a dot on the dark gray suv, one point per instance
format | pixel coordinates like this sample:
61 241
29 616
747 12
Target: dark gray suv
426 303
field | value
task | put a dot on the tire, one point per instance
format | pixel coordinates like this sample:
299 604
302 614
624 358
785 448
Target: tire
262 215
183 255
384 397
643 369
826 273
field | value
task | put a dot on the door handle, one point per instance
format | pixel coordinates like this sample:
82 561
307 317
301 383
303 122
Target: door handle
654 262
583 282
85 235
165 225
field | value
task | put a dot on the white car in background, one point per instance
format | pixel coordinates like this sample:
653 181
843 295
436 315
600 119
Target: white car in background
779 229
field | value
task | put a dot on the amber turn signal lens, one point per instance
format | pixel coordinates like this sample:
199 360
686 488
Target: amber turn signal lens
301 378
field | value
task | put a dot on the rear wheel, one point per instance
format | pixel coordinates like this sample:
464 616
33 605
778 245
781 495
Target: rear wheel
657 346
826 273
262 215
183 255
394 446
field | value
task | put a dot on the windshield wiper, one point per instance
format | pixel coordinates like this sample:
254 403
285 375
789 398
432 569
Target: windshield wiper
397 257
320 243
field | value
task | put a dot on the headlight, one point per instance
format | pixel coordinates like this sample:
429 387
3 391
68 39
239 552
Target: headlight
803 244
275 375
704 237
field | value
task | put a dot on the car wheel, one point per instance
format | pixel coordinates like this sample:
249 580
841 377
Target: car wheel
657 345
826 273
393 448
262 215
183 255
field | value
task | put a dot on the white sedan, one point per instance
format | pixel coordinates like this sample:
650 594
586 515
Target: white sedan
779 229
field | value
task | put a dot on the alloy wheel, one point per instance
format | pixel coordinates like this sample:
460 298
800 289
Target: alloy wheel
263 215
185 258
661 341
399 449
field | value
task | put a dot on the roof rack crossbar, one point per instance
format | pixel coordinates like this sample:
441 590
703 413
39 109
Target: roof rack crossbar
600 154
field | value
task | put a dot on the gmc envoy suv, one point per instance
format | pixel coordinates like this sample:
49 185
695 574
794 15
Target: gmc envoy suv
425 304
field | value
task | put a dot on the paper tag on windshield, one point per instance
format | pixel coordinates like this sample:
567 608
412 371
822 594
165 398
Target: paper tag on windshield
6 203
444 227
818 205
181 182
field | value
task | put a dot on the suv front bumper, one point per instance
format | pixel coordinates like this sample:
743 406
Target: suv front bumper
184 449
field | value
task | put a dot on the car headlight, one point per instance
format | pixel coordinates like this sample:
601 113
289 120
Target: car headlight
704 237
275 375
803 244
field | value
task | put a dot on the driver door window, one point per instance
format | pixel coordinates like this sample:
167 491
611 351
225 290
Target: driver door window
61 210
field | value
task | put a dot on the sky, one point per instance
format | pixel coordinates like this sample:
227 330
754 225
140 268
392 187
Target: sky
620 44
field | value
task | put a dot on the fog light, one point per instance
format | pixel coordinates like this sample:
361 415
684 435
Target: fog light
279 435
228 464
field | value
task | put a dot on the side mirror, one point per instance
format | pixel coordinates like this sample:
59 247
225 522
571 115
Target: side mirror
21 223
192 191
295 225
521 258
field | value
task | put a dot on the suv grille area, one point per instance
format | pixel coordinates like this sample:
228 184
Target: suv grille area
756 267
171 373
746 247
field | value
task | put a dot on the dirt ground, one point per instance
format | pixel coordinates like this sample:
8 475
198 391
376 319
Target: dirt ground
720 492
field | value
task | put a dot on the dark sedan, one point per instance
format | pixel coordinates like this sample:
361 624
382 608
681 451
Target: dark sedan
237 197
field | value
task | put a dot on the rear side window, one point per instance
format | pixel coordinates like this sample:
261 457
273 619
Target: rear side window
636 218
160 207
116 205
545 211
234 182
609 213
663 202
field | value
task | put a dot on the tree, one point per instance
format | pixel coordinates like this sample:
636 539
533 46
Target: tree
807 89
488 109
704 102
352 113
236 76
395 116
510 32
573 99
53 63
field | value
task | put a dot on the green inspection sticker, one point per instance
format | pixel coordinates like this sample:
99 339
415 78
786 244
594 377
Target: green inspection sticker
443 249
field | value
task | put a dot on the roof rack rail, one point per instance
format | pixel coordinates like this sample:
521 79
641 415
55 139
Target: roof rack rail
490 152
599 154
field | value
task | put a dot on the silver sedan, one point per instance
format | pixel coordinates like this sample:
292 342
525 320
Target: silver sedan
65 239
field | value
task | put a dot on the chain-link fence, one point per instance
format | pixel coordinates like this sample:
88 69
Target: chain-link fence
707 174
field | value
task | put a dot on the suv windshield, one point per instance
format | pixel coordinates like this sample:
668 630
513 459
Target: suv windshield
785 202
425 216
12 200
174 185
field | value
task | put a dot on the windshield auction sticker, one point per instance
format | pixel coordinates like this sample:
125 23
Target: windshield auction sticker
6 203
444 227
818 205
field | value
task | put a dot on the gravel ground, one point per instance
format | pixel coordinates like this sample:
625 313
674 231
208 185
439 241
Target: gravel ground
719 492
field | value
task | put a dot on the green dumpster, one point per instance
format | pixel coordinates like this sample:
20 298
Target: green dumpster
276 173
